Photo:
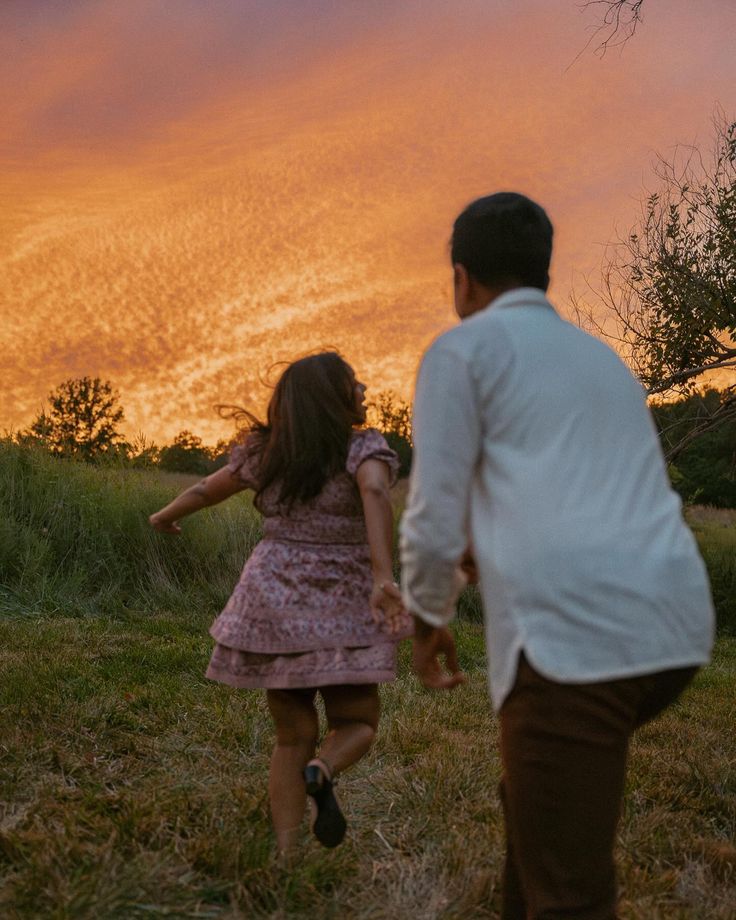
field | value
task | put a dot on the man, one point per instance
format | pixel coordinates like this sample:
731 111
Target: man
534 445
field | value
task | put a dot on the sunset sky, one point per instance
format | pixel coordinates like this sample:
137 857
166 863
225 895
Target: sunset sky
192 191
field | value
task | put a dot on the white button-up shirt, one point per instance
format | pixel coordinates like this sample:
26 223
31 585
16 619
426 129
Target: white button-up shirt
533 442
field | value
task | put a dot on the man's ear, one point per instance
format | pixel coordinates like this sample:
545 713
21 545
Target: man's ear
462 284
462 278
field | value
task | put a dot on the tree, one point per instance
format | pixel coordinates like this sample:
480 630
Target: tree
220 454
706 464
187 454
392 417
82 420
388 412
142 453
670 285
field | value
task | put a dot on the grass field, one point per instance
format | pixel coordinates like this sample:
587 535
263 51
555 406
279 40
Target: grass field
131 787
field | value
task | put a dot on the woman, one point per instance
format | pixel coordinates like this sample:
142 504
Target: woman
315 609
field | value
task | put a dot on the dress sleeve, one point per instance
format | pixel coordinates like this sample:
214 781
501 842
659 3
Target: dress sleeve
370 444
244 463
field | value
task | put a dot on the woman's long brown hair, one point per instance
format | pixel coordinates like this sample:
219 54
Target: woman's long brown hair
306 436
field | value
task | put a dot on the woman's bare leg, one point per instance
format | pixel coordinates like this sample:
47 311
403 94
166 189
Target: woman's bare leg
297 730
352 718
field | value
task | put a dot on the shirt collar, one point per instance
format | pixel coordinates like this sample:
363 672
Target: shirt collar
523 296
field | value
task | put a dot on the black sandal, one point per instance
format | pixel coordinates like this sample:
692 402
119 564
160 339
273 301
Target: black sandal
329 826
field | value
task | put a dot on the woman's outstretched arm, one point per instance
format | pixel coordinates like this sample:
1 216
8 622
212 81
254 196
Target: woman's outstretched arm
373 481
210 491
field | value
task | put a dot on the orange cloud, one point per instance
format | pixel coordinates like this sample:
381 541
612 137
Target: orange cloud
180 241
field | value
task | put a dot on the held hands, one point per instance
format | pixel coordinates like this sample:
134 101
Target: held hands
468 567
386 606
163 526
429 643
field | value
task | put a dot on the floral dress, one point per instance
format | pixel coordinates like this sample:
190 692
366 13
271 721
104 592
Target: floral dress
299 615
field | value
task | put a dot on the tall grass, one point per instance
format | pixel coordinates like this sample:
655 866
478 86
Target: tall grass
76 539
715 531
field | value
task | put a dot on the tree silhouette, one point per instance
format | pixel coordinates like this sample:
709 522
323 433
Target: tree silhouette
187 454
389 413
392 416
82 420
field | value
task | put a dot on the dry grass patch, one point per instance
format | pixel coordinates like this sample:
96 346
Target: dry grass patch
132 787
707 515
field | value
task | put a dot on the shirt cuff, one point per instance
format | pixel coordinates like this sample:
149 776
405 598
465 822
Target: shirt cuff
437 608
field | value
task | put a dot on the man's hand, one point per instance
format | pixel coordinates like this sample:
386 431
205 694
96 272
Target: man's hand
428 644
468 567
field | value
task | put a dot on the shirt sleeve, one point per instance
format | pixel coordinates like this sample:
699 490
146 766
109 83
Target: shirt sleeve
435 527
244 463
370 444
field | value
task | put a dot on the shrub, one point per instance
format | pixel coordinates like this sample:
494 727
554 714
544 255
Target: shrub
718 546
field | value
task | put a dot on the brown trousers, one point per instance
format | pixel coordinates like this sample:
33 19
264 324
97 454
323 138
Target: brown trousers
563 750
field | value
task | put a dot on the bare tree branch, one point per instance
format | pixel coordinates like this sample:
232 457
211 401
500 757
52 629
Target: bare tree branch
698 425
618 23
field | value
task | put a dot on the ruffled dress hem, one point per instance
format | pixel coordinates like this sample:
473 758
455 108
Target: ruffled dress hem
313 680
319 668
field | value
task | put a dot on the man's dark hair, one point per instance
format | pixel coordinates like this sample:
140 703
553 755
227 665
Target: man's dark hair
504 238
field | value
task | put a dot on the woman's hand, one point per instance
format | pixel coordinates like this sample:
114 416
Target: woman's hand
162 525
386 606
210 491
